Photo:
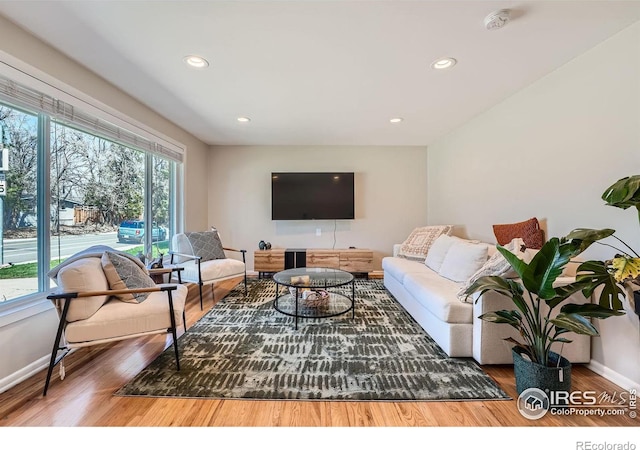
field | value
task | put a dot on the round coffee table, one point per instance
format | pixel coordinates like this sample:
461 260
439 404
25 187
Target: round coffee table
309 296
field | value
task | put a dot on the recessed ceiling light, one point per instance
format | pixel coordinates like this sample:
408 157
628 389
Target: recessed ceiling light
396 120
444 63
243 119
196 61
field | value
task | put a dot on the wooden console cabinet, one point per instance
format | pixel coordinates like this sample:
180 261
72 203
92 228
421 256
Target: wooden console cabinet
355 260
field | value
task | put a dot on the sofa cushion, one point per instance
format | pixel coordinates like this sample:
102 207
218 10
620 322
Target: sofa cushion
212 270
416 246
84 274
123 273
117 319
398 268
438 295
462 260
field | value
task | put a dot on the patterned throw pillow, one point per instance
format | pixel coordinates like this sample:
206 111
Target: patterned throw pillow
124 273
529 231
206 244
417 245
496 265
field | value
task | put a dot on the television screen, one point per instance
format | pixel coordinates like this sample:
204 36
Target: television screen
312 195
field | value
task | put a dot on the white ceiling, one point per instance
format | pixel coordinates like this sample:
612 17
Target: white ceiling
320 72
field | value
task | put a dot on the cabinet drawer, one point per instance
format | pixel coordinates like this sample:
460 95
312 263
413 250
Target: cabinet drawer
268 260
330 260
357 262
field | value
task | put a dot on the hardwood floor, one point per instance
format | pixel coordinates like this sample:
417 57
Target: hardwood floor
85 398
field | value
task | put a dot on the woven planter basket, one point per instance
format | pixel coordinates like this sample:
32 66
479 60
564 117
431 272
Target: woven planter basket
533 375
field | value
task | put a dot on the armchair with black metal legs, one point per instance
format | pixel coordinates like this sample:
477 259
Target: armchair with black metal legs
205 260
92 311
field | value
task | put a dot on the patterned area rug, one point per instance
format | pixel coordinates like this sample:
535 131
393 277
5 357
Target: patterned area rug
244 349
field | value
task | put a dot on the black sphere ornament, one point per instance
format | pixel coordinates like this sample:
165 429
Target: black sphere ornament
268 245
262 245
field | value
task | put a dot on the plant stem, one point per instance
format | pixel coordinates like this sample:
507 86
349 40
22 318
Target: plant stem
626 245
612 246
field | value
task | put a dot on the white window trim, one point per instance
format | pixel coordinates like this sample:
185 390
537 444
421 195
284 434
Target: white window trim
29 76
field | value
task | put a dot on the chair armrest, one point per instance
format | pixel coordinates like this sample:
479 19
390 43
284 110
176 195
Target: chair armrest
184 255
69 295
244 255
233 250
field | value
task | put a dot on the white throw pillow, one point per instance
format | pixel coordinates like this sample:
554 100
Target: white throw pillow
438 251
463 260
496 265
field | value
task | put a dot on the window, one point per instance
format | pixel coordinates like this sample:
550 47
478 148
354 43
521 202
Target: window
18 212
68 182
161 176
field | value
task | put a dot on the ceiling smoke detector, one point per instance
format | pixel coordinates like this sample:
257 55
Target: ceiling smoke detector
496 19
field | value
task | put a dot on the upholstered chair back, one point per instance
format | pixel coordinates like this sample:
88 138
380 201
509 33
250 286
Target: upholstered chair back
85 274
205 244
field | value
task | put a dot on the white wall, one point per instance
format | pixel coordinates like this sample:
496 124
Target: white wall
390 185
550 151
26 336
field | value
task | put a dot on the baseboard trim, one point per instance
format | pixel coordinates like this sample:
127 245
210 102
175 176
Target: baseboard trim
24 373
613 376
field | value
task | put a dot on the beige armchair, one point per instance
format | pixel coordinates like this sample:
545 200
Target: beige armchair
104 295
205 260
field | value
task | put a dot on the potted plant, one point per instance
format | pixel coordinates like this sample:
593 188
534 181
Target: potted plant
539 315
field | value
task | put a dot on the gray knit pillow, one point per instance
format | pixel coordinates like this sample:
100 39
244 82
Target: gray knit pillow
206 244
124 273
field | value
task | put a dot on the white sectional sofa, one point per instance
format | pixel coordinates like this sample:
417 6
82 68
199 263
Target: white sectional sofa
432 300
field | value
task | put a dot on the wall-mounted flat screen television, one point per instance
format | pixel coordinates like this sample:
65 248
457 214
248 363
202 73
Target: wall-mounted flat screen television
312 195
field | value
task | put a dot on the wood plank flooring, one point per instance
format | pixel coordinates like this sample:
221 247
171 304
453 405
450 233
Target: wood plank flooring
85 398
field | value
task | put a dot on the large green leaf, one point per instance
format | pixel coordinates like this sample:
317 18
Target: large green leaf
575 323
493 283
562 340
507 287
595 274
518 265
545 267
566 291
590 310
582 238
512 318
624 193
